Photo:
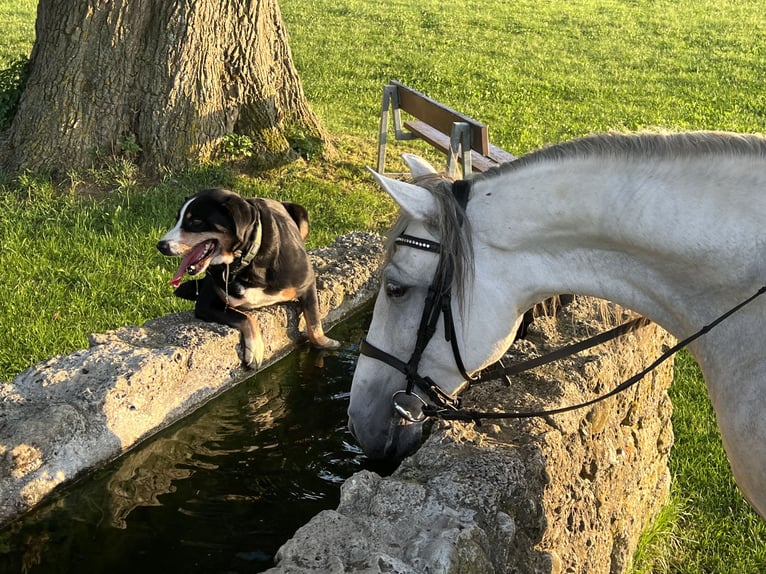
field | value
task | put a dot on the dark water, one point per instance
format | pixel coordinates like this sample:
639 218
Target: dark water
218 492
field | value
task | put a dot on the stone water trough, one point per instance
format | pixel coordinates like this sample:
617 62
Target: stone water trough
563 494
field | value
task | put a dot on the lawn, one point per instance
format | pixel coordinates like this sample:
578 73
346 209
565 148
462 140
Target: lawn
536 72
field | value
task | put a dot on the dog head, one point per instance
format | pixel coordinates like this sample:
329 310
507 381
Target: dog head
212 228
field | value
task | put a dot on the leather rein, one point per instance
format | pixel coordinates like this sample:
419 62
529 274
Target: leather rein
412 407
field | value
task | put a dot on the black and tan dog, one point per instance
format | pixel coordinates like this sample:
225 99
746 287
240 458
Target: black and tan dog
253 254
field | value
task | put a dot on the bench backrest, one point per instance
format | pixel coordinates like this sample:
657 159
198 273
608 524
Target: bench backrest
440 117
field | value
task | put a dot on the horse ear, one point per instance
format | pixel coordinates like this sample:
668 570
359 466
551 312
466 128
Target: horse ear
418 166
416 201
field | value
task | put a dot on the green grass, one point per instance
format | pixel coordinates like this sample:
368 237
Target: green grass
536 72
708 527
18 29
539 72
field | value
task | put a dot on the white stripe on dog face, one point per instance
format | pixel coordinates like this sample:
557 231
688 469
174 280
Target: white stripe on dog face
174 234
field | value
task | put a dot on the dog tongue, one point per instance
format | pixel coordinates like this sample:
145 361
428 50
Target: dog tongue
189 259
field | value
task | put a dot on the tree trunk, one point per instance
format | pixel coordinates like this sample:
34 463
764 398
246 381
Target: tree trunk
170 76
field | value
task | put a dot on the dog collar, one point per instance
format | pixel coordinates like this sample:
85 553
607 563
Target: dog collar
243 260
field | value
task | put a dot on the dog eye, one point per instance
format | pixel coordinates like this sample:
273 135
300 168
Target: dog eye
395 290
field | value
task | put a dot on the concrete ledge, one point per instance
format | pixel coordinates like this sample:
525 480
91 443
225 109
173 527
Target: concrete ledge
71 414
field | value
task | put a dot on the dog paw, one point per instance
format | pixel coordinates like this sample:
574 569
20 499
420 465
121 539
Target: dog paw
252 353
327 343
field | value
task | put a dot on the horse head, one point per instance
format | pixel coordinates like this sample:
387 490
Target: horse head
430 254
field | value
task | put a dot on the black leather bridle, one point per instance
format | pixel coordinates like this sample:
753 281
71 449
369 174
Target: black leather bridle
438 302
411 406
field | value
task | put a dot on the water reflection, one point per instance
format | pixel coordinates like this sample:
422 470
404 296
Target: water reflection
219 492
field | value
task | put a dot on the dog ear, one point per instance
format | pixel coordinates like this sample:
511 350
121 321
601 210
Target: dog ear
245 217
300 216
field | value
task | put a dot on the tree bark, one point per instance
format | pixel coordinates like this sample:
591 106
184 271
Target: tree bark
172 76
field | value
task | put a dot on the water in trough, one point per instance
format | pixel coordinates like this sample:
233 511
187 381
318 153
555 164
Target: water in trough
219 491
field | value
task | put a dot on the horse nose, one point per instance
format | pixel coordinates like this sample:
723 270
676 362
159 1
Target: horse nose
392 443
373 449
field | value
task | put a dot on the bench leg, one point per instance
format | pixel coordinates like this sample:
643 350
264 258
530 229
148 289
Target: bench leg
389 92
459 143
467 164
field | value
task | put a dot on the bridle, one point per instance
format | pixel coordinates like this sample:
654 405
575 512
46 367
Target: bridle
413 408
408 404
438 302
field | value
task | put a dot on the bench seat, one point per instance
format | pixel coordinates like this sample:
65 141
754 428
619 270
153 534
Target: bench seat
440 141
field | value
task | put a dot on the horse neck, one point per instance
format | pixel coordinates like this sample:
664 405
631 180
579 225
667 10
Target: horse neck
679 242
656 237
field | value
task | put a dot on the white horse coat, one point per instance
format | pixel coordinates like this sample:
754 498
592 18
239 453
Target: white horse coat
670 226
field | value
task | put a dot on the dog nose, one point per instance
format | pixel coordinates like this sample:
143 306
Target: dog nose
164 247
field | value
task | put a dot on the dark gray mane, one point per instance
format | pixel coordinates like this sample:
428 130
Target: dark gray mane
455 239
649 145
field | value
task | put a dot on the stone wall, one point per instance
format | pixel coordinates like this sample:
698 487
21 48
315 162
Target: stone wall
71 414
563 494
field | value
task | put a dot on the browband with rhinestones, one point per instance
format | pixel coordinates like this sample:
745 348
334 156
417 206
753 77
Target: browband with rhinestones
418 243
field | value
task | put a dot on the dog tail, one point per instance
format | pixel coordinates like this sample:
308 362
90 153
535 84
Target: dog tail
300 217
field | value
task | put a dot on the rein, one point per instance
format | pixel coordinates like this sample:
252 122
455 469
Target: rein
413 408
477 416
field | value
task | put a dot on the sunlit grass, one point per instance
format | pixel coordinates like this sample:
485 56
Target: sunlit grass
707 527
17 22
539 72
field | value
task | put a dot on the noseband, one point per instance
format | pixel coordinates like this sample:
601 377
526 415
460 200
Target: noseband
438 302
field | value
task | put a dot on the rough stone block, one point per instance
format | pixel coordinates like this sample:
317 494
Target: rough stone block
560 494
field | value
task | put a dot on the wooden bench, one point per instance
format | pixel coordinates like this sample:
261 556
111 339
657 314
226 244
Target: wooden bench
463 139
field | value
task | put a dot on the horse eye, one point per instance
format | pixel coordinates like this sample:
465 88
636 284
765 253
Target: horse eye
395 290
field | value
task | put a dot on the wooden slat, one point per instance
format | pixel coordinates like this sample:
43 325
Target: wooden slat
499 155
441 117
432 135
441 142
481 163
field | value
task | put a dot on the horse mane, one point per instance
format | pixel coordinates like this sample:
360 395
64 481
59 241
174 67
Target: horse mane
449 225
455 237
646 145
